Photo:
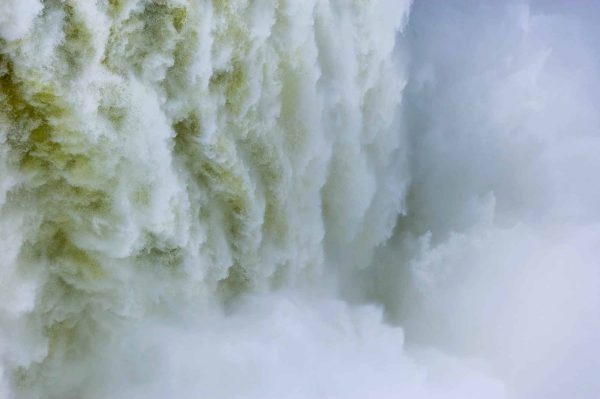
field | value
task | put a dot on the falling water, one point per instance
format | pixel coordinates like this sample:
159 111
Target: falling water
299 199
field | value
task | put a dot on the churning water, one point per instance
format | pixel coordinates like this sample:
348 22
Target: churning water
299 199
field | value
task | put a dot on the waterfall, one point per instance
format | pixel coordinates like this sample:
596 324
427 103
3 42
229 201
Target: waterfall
298 199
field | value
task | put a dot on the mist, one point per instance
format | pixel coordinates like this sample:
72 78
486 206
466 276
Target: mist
299 199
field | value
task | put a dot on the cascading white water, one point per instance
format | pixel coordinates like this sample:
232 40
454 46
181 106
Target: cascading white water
260 199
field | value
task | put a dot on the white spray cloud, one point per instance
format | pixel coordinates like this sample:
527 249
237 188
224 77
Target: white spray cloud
197 198
504 142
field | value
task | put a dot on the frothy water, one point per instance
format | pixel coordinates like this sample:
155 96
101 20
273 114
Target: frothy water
299 199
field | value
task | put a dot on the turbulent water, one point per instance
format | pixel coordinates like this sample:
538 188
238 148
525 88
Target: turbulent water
299 199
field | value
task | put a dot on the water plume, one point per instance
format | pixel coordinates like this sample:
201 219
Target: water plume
298 199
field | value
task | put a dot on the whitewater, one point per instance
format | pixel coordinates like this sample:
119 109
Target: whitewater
299 199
